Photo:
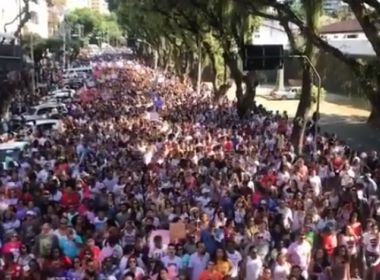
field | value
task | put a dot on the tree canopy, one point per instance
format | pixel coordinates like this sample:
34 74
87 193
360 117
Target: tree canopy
92 24
181 30
222 27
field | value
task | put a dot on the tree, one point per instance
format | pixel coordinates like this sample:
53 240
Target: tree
41 46
23 18
367 12
312 13
219 27
89 24
85 17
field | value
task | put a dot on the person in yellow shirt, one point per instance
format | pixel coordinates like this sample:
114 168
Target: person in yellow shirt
222 264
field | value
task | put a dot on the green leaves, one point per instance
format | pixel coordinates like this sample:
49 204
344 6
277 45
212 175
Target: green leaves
94 25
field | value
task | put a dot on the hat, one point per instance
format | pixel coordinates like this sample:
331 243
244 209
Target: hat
31 213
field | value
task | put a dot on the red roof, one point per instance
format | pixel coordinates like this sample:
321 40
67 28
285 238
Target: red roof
350 25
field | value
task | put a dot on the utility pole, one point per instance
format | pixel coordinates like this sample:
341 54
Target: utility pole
199 76
32 57
64 44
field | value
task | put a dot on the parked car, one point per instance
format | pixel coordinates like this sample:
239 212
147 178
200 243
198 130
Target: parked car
66 91
291 93
44 110
45 124
11 152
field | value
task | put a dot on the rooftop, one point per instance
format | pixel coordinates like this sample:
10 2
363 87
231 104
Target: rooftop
350 25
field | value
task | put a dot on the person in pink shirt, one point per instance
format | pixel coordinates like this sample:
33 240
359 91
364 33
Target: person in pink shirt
12 246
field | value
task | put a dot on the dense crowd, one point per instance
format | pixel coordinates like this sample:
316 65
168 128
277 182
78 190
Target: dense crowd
150 181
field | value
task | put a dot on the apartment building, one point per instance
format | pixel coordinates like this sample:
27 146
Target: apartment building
100 5
97 5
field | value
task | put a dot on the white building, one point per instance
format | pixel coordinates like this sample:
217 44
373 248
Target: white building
38 24
270 32
349 37
100 5
331 6
97 5
77 4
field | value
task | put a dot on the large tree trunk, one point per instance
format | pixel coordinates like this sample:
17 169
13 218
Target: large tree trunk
237 76
303 110
374 117
247 101
211 56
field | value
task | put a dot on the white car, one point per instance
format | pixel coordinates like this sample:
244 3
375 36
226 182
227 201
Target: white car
12 152
43 111
45 124
291 93
64 92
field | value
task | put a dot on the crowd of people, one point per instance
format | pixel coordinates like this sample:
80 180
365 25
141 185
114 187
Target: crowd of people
144 156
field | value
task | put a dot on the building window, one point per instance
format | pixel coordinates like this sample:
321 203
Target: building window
352 36
35 1
34 17
336 36
257 36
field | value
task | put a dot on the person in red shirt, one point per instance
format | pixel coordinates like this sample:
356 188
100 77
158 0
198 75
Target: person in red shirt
211 273
95 251
70 197
228 145
10 267
269 179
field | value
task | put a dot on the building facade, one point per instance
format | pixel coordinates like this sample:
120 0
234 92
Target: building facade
77 4
332 6
56 15
38 23
349 37
100 6
270 32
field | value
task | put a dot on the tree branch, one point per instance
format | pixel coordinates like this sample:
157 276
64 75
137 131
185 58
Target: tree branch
374 4
285 13
24 20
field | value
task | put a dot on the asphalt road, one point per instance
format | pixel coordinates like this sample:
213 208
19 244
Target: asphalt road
337 115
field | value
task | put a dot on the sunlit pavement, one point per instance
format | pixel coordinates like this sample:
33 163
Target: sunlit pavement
336 116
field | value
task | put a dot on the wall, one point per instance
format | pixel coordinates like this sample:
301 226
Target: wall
38 24
270 32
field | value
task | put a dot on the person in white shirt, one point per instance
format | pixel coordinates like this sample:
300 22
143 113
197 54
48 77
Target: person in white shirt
287 214
234 257
198 261
253 265
347 176
281 268
299 253
315 183
172 262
